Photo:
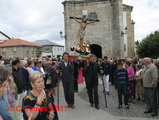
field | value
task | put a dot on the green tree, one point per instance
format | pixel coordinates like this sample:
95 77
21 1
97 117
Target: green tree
149 46
137 42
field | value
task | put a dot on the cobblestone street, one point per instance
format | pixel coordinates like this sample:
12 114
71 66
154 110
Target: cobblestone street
136 107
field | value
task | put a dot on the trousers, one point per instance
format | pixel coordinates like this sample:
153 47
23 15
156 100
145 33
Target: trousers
151 99
69 92
106 82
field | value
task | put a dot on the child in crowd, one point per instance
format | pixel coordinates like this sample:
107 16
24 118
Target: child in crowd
121 85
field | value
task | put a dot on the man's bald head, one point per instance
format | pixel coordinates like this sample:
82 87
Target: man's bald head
147 61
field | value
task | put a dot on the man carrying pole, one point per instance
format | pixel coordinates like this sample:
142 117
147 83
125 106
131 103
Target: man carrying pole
91 72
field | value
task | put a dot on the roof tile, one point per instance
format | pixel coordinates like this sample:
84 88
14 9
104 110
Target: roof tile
18 42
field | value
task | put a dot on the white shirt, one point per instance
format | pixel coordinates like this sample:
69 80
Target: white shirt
66 64
30 69
42 70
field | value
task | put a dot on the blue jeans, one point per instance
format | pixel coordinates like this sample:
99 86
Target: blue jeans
122 89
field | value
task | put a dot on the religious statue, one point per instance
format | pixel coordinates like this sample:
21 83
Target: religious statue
84 21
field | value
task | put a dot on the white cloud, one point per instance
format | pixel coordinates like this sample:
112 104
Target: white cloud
32 19
145 14
62 42
43 19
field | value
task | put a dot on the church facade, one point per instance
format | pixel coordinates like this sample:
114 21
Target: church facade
112 36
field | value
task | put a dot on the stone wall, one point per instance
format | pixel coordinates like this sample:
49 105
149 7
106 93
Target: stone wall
21 52
117 20
99 33
130 32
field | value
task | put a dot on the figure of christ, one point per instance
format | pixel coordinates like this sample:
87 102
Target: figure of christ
83 24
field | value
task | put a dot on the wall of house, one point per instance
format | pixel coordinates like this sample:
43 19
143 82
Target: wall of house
20 51
57 50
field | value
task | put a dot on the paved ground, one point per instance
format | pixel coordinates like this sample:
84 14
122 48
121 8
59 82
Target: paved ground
83 111
136 107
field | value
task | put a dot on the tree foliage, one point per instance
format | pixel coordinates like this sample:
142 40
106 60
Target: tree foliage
149 46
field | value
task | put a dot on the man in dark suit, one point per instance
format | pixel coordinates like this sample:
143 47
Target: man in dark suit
67 69
91 71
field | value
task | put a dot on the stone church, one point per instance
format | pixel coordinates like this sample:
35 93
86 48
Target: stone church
112 36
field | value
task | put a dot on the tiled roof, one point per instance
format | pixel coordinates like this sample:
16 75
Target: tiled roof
18 42
47 42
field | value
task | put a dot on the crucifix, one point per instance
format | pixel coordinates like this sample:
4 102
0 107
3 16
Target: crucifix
83 21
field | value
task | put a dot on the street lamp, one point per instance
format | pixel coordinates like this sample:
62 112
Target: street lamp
61 34
125 31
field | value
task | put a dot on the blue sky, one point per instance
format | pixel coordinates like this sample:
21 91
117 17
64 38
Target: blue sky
43 19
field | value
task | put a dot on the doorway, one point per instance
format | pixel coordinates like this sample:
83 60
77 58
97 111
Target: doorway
96 50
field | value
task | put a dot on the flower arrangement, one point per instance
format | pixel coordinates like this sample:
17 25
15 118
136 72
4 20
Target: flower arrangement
83 50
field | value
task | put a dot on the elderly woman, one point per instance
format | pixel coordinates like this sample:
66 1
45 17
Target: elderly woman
52 76
130 71
4 76
38 103
139 82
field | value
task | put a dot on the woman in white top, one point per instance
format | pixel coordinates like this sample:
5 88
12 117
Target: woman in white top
41 68
139 82
30 65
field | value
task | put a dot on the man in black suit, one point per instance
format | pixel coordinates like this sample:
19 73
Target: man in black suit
91 71
67 69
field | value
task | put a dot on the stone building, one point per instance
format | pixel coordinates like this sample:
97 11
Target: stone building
50 49
20 48
112 36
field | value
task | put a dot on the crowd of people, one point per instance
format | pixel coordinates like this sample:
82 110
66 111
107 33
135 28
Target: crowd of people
30 83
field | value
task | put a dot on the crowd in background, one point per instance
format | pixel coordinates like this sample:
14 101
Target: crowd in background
21 75
135 78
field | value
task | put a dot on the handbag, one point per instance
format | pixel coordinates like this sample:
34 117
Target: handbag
48 77
48 82
11 98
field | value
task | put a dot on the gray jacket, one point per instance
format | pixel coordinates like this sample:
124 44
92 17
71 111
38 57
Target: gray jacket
150 76
67 72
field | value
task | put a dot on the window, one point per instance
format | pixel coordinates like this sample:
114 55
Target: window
55 49
27 50
14 51
4 51
33 51
47 49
